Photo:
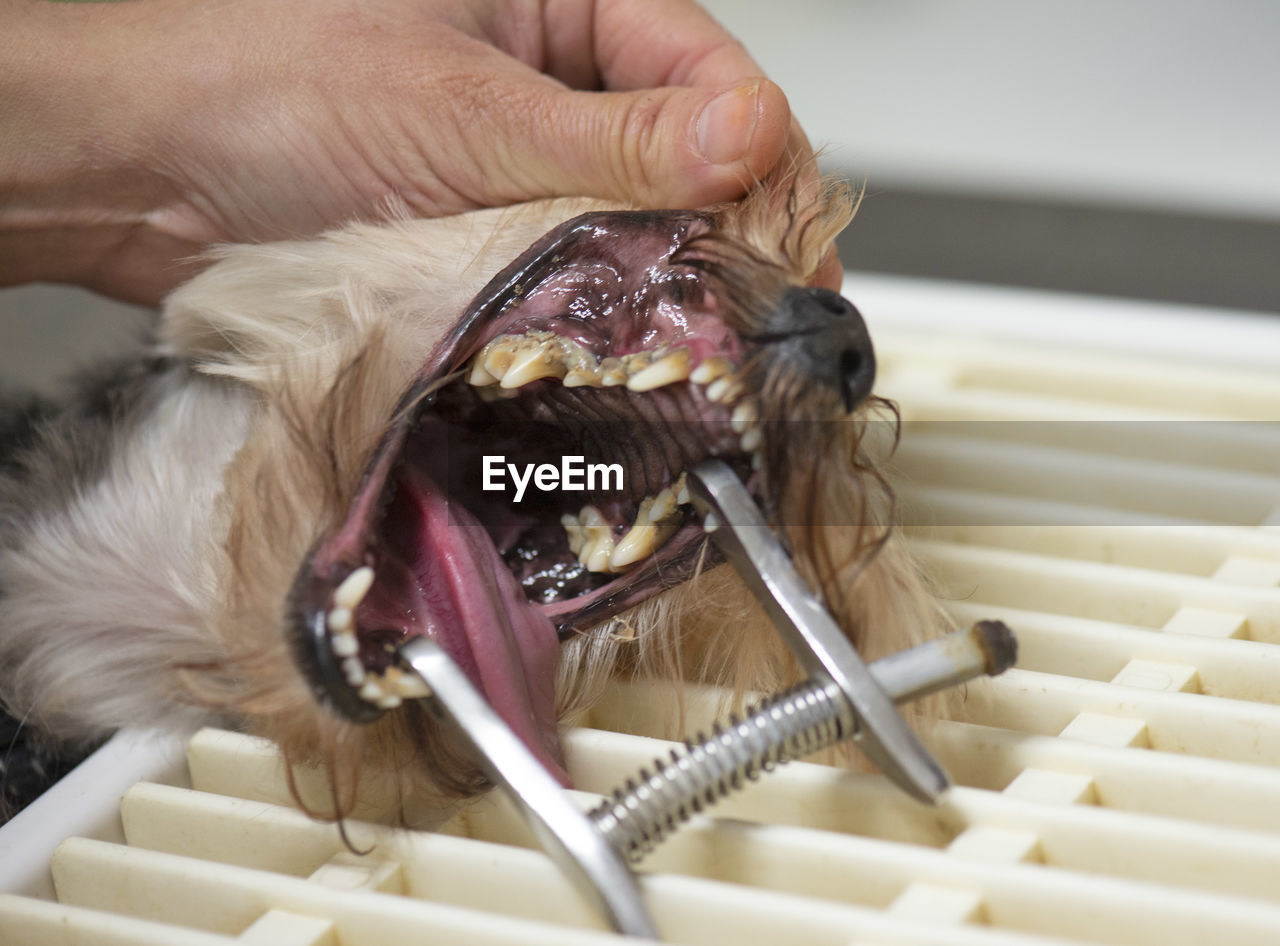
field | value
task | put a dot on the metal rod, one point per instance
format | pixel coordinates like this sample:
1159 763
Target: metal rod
566 833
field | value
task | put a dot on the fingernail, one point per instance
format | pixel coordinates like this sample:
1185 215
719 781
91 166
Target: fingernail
726 124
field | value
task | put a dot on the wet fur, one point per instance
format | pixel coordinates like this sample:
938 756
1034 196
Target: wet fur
145 561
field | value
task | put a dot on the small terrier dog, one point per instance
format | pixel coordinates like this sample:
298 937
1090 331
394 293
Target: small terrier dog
242 522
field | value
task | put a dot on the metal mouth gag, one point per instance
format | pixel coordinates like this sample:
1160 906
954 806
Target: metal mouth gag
843 699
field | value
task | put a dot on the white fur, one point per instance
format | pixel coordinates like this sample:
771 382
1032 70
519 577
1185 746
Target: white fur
103 597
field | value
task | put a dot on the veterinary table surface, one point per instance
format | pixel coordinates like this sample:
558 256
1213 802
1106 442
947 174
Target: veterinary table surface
1118 786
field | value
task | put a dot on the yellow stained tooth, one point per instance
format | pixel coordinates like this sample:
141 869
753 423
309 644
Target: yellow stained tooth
601 552
682 490
408 685
664 504
667 370
752 439
613 372
479 377
744 415
591 516
641 542
497 355
710 369
583 377
575 531
533 364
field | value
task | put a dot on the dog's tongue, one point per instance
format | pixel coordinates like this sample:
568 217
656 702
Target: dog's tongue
480 616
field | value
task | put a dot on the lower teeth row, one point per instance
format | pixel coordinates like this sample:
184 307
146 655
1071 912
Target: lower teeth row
385 689
591 536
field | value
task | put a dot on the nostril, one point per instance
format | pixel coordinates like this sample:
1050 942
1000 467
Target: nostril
857 373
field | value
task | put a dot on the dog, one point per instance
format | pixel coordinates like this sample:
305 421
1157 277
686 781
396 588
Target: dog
240 523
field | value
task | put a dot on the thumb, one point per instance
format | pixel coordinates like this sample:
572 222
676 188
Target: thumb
669 147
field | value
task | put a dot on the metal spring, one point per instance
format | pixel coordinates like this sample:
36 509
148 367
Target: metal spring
788 725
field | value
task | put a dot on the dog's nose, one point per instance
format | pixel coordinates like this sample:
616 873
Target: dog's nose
823 335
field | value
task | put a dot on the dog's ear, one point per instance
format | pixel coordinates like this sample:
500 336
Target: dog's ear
258 309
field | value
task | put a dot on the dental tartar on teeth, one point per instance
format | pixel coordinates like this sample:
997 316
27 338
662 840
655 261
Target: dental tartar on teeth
510 361
591 536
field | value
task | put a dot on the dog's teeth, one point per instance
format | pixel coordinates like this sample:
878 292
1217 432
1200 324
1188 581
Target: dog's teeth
345 645
372 691
587 376
666 370
597 552
751 440
409 686
641 542
590 517
725 389
574 530
664 504
710 369
353 670
682 490
497 356
757 461
479 377
340 621
744 415
613 372
353 588
533 364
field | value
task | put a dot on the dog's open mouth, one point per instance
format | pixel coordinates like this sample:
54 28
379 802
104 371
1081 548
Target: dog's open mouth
531 484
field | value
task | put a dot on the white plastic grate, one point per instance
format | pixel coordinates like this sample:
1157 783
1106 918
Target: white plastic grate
1119 786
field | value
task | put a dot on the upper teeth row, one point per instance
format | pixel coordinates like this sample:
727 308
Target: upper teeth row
591 536
511 361
385 689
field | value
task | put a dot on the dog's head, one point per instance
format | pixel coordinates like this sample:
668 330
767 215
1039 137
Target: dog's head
391 362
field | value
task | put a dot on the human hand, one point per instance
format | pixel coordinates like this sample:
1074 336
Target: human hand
146 131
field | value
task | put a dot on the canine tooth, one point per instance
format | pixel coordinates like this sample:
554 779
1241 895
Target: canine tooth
682 490
613 372
353 670
751 440
533 365
724 389
641 542
345 645
353 588
666 370
599 553
744 416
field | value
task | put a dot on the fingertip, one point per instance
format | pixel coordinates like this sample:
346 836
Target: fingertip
740 135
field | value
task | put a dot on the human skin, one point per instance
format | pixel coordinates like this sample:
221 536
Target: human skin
135 134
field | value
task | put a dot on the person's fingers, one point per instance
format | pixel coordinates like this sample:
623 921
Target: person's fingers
641 44
670 147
